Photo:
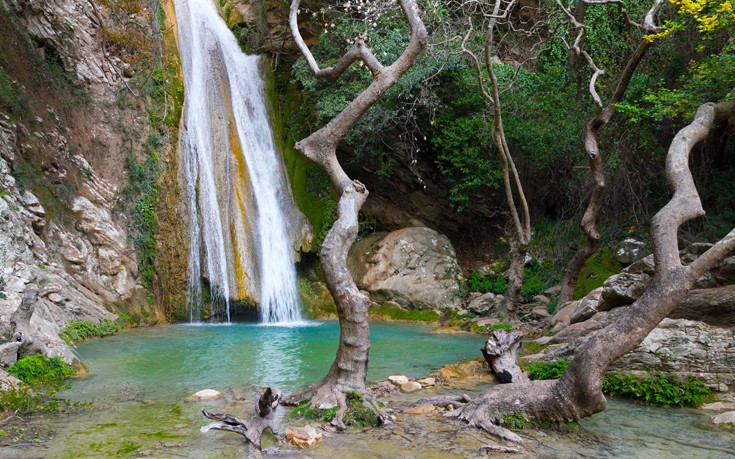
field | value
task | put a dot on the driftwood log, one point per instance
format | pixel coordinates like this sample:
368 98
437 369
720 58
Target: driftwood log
500 353
263 418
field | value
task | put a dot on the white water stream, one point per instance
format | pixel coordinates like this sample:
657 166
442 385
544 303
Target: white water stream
234 175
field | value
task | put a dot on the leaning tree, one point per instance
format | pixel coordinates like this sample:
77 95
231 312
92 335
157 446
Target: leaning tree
578 393
349 369
603 115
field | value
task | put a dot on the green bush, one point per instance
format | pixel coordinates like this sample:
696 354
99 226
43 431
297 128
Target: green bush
503 326
532 285
663 389
548 370
514 421
79 330
357 414
494 283
39 370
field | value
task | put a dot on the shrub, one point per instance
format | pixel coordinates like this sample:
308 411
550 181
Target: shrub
79 330
665 389
39 370
548 370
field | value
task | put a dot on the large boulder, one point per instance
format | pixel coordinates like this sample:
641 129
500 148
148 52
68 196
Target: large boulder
685 348
415 267
587 306
714 306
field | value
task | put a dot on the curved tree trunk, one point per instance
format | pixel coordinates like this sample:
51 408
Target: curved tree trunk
579 391
591 147
349 370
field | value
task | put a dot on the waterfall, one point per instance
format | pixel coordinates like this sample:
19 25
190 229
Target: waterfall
235 181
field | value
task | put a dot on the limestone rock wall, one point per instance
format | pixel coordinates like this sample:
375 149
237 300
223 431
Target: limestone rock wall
63 150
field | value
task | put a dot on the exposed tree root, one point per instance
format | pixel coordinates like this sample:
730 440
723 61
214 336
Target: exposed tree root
327 395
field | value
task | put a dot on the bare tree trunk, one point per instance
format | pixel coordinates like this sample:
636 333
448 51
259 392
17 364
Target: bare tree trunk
512 296
591 146
579 391
349 370
500 353
520 221
263 418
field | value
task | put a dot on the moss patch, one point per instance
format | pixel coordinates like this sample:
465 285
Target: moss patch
386 312
597 269
309 184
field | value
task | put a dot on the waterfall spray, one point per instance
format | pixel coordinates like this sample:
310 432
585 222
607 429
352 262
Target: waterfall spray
234 176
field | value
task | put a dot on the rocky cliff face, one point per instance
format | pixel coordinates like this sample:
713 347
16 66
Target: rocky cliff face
64 137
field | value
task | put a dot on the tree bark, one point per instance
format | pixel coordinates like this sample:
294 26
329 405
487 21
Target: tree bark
591 146
263 418
349 370
579 391
500 353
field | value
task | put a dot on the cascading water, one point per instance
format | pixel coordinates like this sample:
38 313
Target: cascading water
234 175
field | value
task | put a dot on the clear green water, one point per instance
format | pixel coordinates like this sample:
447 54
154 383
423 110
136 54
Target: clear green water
189 358
140 380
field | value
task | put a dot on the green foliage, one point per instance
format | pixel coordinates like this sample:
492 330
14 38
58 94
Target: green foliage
532 285
43 377
493 283
598 268
39 370
665 389
548 370
400 314
514 421
140 195
465 156
357 415
310 185
80 330
502 326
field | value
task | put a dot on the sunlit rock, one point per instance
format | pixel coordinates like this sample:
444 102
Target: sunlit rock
206 394
398 380
303 437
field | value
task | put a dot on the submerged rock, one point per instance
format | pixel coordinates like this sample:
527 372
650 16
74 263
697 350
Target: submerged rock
410 386
206 394
423 408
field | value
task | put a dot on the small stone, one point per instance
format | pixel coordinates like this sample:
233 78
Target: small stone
411 386
541 299
207 394
725 418
303 437
427 382
424 408
398 380
55 298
